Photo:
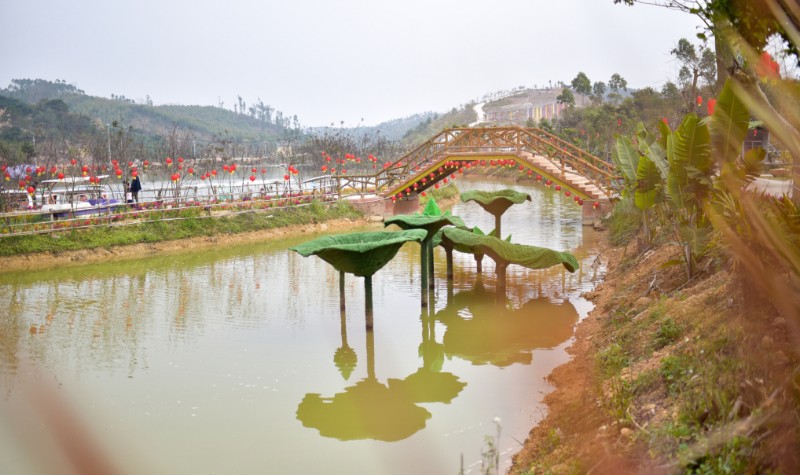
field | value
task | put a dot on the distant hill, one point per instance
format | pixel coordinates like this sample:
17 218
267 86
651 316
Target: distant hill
37 109
455 117
260 122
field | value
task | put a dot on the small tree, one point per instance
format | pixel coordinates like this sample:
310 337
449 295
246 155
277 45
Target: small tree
599 90
566 97
582 85
616 84
696 64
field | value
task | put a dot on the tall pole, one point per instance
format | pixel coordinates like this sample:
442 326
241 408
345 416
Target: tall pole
108 137
368 300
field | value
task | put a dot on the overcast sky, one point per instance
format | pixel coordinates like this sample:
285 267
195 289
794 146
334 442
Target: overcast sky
331 61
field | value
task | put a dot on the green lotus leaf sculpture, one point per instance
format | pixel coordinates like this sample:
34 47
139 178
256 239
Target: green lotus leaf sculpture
500 251
360 254
496 202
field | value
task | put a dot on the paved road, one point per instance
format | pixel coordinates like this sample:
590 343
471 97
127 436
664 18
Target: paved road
772 186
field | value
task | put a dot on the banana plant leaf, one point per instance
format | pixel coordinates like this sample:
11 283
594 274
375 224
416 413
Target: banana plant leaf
531 257
361 254
648 181
495 202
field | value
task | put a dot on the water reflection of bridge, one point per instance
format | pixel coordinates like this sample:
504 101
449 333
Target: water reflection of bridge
529 150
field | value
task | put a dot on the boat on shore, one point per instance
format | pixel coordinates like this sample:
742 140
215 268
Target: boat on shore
78 196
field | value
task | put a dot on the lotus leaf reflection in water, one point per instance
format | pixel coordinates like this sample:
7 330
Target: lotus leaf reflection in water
366 410
482 331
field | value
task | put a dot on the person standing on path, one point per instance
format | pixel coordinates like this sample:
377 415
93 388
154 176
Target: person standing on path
136 186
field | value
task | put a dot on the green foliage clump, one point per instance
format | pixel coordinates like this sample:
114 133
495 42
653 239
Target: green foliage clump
193 224
623 223
668 332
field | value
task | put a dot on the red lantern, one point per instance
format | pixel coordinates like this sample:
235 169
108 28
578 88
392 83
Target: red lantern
567 193
538 177
169 162
191 171
699 101
31 190
180 159
60 176
665 120
286 177
73 162
252 178
710 105
558 187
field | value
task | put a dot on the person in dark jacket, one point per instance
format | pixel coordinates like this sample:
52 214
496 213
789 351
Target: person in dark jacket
136 186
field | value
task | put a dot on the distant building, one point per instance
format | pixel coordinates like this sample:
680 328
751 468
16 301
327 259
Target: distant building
530 104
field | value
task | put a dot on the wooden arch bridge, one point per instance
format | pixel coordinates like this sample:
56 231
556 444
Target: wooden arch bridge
529 150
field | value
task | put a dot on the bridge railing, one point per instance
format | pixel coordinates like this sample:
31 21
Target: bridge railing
488 140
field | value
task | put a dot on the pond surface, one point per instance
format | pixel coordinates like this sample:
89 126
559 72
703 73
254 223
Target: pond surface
238 360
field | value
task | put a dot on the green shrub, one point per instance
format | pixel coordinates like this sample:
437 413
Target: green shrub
623 223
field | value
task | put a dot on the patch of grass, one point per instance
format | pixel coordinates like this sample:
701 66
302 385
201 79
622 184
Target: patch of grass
193 224
675 372
611 360
646 381
668 332
734 457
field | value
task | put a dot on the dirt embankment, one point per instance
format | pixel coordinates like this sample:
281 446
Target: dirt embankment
669 375
47 260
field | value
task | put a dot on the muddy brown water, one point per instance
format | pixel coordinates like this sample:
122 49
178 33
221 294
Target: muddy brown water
238 360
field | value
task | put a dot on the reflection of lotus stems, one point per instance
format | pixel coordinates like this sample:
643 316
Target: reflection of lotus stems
341 290
370 355
423 263
345 357
430 266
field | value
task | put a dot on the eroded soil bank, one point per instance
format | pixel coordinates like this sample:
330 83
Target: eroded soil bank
672 375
